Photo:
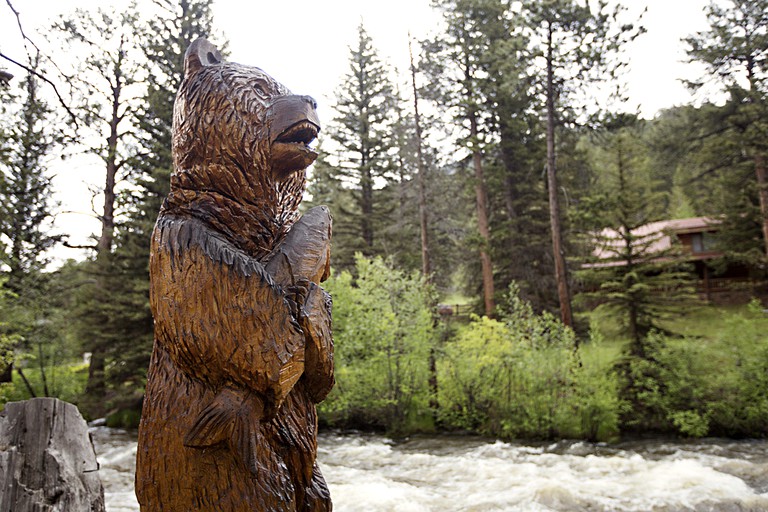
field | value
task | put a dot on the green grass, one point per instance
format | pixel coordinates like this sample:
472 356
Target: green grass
455 298
600 355
705 323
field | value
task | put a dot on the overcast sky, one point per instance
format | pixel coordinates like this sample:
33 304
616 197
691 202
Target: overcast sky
304 44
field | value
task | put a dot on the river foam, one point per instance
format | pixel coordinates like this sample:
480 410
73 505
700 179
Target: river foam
425 474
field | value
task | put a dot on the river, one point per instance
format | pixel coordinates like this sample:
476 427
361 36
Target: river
446 473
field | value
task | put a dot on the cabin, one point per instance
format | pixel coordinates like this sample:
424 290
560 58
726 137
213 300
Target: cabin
695 239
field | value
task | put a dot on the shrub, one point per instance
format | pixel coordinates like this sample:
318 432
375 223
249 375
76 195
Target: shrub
383 334
699 386
523 377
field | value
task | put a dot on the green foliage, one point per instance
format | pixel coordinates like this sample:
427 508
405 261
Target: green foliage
736 44
107 76
597 389
523 378
66 381
7 340
124 418
362 130
518 376
114 319
26 218
455 63
698 386
26 204
383 332
734 50
631 272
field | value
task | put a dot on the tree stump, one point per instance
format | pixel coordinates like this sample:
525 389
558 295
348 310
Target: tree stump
47 460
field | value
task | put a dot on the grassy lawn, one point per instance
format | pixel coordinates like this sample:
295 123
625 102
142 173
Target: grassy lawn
708 321
708 325
705 321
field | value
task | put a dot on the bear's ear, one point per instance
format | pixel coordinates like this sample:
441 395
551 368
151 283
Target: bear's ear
200 53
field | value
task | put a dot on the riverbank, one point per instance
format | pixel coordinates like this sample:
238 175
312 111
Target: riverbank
458 473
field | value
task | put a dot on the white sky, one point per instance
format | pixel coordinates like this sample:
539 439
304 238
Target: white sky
304 44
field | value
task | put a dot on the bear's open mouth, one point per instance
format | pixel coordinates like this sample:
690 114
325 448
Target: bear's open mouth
291 151
302 132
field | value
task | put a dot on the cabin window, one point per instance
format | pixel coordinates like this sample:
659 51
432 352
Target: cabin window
702 242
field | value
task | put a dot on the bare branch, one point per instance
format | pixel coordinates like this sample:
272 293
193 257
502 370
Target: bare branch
26 40
46 80
21 29
71 246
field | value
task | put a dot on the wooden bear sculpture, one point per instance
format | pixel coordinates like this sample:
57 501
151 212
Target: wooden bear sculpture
243 348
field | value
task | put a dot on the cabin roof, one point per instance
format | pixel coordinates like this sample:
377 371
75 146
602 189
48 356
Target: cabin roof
656 236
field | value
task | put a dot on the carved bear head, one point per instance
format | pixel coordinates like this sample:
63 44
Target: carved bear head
240 149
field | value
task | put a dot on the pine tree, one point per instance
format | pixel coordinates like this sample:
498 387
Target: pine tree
717 175
560 29
105 78
364 165
517 192
421 177
735 51
634 275
26 209
642 282
401 234
26 216
164 39
456 63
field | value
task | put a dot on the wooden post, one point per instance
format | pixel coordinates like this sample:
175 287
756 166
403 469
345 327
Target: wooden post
47 460
707 290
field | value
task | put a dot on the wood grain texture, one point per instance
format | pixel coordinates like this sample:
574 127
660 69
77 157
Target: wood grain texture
243 344
47 460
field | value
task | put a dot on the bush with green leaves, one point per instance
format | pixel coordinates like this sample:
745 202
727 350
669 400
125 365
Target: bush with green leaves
522 377
697 386
65 382
383 333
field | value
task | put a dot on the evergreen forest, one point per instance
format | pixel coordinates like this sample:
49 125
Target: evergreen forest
490 272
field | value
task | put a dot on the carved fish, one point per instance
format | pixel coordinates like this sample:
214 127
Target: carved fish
302 260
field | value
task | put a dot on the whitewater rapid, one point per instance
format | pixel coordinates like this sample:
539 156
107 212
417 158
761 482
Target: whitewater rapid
448 473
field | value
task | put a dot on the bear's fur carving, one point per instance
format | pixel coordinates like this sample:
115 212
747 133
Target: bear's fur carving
243 348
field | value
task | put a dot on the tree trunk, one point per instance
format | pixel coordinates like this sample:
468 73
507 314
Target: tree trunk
47 460
41 363
561 273
482 219
762 188
26 382
425 263
426 267
96 386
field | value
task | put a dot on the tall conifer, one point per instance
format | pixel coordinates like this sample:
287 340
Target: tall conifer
26 218
362 130
735 52
576 41
457 64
